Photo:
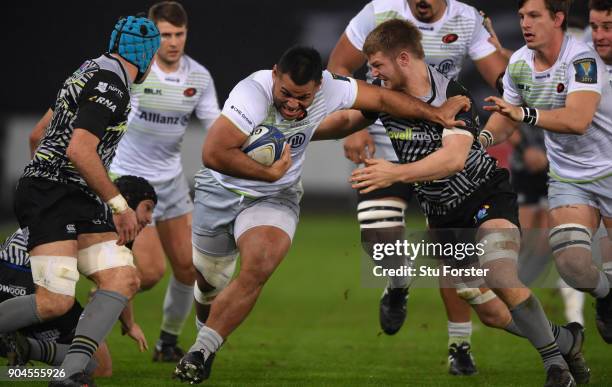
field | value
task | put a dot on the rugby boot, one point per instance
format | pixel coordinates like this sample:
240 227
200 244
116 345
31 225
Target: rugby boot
392 311
574 359
193 368
559 377
460 360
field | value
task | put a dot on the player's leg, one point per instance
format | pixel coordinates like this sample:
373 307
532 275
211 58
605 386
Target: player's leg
501 241
459 326
604 305
174 228
54 270
112 269
381 221
149 257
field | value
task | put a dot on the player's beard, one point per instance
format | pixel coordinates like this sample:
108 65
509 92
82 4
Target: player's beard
424 6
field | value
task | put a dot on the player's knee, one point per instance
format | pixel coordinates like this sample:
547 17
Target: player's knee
111 266
51 305
150 278
571 246
58 276
216 272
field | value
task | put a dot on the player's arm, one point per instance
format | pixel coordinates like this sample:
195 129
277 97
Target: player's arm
90 124
397 104
446 161
104 368
492 67
222 152
345 58
130 328
498 129
574 118
341 124
39 130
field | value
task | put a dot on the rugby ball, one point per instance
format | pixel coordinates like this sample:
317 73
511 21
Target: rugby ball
264 145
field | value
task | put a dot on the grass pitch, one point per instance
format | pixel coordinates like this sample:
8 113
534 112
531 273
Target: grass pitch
316 325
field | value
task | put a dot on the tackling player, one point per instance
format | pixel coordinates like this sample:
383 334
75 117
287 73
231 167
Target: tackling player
464 195
49 341
244 207
559 84
64 199
451 31
177 87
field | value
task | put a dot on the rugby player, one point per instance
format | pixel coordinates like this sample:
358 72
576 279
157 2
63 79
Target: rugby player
451 32
462 192
177 87
559 84
244 207
49 341
71 214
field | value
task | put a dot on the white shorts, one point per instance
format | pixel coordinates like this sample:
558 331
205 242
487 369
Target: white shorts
221 216
597 194
173 198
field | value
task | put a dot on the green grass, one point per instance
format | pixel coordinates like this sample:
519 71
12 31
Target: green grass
316 325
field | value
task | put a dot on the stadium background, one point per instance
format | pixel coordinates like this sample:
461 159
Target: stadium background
315 323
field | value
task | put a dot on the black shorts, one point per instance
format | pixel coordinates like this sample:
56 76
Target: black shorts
530 188
49 211
398 190
495 199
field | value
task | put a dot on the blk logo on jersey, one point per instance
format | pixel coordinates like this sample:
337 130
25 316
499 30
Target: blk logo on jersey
148 90
450 38
586 70
190 92
446 66
297 140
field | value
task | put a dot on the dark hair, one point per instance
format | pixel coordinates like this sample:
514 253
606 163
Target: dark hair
554 6
393 36
600 5
170 11
303 64
135 189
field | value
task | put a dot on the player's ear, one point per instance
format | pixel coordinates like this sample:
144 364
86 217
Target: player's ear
274 71
403 58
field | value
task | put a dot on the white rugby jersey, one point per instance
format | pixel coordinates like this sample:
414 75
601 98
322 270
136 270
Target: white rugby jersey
572 157
459 33
250 104
161 108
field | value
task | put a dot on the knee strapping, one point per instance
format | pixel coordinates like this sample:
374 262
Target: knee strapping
56 273
500 245
474 296
380 214
103 256
569 235
217 271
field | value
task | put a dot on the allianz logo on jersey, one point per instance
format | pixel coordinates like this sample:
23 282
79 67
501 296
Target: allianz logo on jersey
13 290
410 135
162 119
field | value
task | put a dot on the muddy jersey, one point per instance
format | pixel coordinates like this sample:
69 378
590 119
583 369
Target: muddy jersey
95 98
161 108
415 139
578 158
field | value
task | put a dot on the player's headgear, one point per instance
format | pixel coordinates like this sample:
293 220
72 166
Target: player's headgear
136 39
135 189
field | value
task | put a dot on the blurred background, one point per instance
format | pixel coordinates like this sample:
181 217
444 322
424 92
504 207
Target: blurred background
44 42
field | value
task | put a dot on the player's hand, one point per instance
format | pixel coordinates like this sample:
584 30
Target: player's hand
448 111
136 333
535 159
126 225
359 146
488 25
377 174
280 166
515 113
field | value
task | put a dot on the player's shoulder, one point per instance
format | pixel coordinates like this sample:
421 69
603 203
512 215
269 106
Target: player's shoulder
578 49
195 67
389 5
522 54
462 10
255 86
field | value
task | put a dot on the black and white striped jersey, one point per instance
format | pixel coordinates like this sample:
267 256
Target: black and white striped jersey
14 250
96 98
414 139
